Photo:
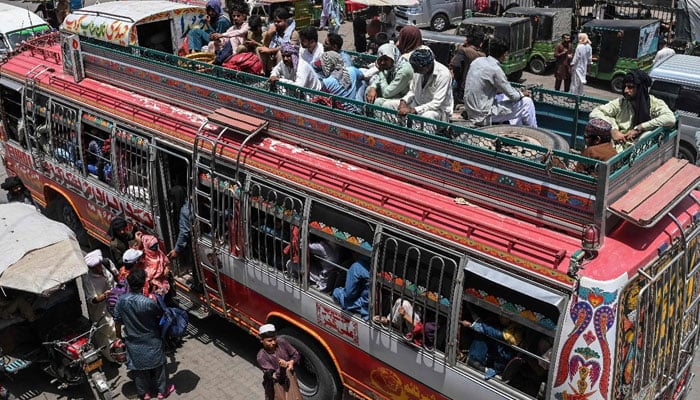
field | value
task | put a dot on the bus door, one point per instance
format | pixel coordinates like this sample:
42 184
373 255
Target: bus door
170 192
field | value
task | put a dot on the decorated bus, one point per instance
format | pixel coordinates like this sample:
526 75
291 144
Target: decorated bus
478 262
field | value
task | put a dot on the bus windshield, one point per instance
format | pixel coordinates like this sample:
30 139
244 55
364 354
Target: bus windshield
18 36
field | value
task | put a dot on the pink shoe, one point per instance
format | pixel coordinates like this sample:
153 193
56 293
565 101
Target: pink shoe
147 396
168 392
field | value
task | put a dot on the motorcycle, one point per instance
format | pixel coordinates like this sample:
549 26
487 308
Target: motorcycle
76 360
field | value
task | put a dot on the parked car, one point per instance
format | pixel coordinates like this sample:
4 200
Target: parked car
620 46
548 26
17 25
676 81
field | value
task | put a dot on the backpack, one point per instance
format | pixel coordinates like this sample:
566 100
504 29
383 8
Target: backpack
245 62
113 297
173 323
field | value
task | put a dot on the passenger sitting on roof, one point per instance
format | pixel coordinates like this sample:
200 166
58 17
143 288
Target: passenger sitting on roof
334 42
485 80
635 113
294 70
394 78
283 31
409 40
311 48
598 145
228 42
215 22
430 95
339 79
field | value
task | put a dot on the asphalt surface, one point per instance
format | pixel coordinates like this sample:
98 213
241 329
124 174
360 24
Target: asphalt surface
217 359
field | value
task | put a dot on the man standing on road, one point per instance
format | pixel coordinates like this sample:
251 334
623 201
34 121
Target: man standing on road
579 64
145 355
562 54
98 283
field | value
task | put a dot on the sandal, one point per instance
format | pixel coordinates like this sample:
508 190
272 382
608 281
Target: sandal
168 392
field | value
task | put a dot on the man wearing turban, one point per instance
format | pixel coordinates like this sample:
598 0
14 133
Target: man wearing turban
430 94
635 112
294 70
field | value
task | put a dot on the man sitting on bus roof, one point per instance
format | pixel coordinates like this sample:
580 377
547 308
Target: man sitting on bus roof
485 80
635 112
430 94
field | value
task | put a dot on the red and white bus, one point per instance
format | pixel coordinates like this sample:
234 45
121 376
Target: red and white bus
595 276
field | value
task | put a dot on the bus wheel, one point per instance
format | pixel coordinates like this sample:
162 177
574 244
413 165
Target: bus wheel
440 22
316 374
60 210
616 84
537 65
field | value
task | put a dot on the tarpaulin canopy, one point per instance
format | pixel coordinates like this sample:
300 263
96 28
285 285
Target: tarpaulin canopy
38 253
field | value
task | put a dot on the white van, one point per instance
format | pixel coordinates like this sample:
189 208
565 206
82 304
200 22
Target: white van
677 82
17 25
437 15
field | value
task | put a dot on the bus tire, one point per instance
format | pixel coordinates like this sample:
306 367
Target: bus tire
617 83
60 210
537 65
316 374
536 136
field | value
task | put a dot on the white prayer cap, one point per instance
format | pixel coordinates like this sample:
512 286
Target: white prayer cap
93 258
267 329
131 256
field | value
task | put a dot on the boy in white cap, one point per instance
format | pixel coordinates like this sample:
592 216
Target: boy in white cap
277 359
97 284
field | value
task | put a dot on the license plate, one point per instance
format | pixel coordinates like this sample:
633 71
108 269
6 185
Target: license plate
93 365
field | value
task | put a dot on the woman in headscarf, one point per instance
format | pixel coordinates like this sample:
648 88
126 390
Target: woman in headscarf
409 40
583 56
214 22
394 78
337 79
123 235
294 70
157 267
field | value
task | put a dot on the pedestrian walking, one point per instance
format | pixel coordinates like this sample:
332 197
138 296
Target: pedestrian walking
277 359
563 56
139 316
579 64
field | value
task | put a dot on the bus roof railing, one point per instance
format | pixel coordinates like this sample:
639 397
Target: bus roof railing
535 183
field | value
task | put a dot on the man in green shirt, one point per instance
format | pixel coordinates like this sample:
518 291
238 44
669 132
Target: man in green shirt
636 112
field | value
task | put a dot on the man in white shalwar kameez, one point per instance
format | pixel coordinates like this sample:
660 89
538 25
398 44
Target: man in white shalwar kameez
579 64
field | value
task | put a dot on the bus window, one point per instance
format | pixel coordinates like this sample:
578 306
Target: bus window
506 329
333 238
64 136
274 228
415 283
96 149
131 155
11 104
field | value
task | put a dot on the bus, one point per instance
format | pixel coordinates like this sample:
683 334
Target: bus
473 242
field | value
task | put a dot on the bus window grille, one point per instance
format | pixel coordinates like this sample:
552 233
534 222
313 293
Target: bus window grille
274 231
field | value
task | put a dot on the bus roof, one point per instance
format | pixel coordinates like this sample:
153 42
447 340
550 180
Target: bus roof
113 21
13 18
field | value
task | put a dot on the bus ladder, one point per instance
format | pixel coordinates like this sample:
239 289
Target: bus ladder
227 123
29 100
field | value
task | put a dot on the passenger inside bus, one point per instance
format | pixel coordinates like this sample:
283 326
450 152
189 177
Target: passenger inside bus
402 316
354 296
488 355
